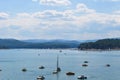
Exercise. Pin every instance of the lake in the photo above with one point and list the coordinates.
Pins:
(12, 61)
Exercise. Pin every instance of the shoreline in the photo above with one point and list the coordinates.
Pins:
(99, 49)
(63, 49)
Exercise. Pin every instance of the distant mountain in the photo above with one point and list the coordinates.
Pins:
(13, 43)
(44, 40)
(36, 40)
(58, 43)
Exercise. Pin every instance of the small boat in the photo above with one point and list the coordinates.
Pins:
(70, 73)
(24, 69)
(84, 65)
(41, 67)
(82, 77)
(85, 61)
(107, 65)
(40, 78)
(55, 72)
(58, 69)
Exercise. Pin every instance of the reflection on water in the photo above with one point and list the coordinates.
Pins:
(13, 61)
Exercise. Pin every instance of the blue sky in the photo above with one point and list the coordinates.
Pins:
(60, 19)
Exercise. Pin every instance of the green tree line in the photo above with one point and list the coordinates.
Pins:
(101, 44)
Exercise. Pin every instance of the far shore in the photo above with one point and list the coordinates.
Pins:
(99, 49)
(65, 49)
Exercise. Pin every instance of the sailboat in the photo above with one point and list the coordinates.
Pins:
(58, 68)
(40, 78)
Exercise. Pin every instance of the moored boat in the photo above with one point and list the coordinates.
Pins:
(24, 69)
(41, 67)
(85, 61)
(55, 72)
(107, 65)
(70, 73)
(84, 65)
(82, 77)
(40, 78)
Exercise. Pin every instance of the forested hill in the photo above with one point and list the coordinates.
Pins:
(13, 43)
(101, 44)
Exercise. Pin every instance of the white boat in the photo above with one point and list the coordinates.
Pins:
(82, 77)
(40, 78)
(55, 72)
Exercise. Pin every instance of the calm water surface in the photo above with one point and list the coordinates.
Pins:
(13, 60)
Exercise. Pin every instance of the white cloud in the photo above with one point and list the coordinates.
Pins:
(3, 15)
(112, 34)
(108, 0)
(114, 0)
(54, 15)
(83, 8)
(54, 2)
(23, 15)
(47, 13)
(69, 24)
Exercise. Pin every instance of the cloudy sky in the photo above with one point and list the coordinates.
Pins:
(60, 19)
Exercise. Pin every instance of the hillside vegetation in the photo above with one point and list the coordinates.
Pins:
(13, 43)
(101, 44)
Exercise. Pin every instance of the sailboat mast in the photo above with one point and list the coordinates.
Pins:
(57, 61)
(58, 68)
